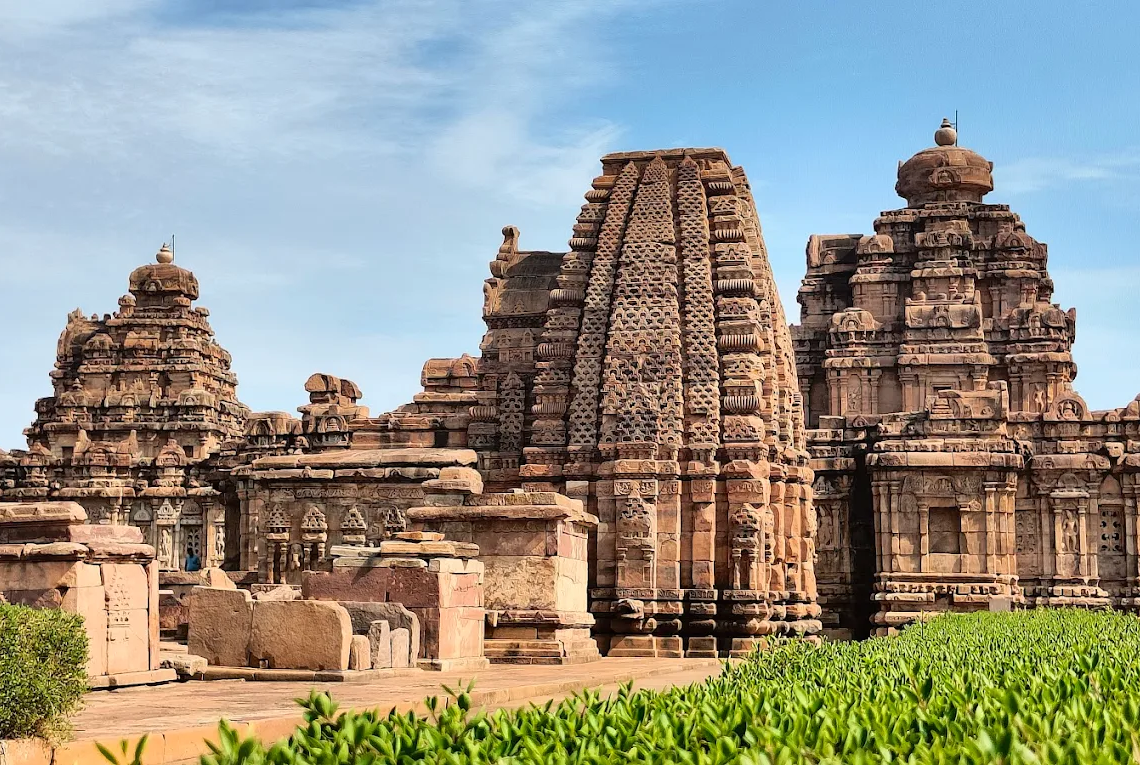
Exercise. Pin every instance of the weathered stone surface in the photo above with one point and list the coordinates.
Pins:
(215, 577)
(50, 598)
(412, 587)
(185, 664)
(284, 592)
(40, 575)
(364, 614)
(401, 650)
(101, 549)
(87, 534)
(380, 643)
(359, 653)
(300, 634)
(221, 623)
(41, 513)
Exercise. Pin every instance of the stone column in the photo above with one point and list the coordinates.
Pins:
(893, 504)
(991, 530)
(1082, 529)
(876, 376)
(1132, 530)
(756, 534)
(702, 596)
(881, 516)
(924, 534)
(1047, 522)
(1093, 546)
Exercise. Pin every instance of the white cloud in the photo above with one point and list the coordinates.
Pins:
(23, 17)
(337, 175)
(1039, 173)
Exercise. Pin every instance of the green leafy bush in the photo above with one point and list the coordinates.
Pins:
(1028, 687)
(43, 670)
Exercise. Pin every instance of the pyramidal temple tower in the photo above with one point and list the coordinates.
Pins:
(141, 400)
(957, 467)
(648, 371)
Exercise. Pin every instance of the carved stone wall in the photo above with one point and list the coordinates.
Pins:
(50, 558)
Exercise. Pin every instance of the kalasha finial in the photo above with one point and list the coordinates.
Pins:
(946, 135)
(165, 254)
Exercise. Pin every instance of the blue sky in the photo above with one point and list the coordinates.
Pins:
(337, 173)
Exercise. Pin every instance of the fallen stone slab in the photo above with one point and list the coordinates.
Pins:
(220, 625)
(300, 634)
(187, 665)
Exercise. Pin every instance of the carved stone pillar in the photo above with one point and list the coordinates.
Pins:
(1131, 541)
(991, 530)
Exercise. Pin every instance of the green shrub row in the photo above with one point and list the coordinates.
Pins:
(1028, 687)
(43, 671)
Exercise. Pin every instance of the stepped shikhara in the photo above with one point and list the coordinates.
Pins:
(142, 398)
(649, 372)
(956, 466)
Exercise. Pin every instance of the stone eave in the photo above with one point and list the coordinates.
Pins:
(366, 458)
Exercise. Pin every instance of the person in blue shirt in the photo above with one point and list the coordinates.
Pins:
(193, 562)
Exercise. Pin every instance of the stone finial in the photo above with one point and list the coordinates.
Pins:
(510, 245)
(946, 135)
(165, 254)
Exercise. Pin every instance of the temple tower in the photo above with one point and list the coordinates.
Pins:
(939, 378)
(142, 398)
(649, 372)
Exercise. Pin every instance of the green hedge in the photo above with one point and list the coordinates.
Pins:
(1027, 687)
(43, 670)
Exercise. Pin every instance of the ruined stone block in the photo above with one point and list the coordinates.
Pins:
(364, 615)
(380, 642)
(359, 653)
(221, 623)
(300, 634)
(401, 649)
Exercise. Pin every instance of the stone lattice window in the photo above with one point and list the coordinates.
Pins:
(1111, 531)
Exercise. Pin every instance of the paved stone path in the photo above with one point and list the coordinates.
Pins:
(180, 716)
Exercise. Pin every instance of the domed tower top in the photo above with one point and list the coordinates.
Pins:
(163, 278)
(945, 172)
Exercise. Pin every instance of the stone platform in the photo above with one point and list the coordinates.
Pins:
(180, 718)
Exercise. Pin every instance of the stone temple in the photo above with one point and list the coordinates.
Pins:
(956, 465)
(142, 399)
(649, 372)
(638, 459)
(646, 377)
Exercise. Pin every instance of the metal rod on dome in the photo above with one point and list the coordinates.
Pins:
(172, 235)
(956, 127)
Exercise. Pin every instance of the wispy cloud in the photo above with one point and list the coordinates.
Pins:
(332, 170)
(1040, 173)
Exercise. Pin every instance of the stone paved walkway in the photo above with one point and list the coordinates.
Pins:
(177, 715)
